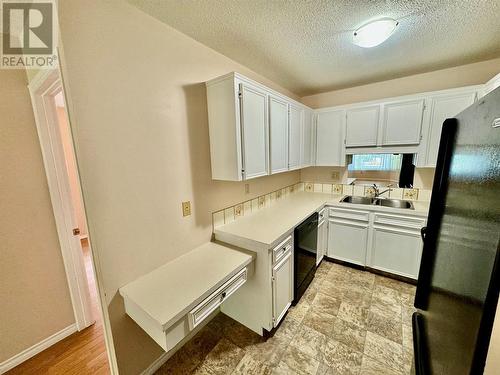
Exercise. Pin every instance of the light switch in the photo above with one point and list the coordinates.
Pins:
(186, 208)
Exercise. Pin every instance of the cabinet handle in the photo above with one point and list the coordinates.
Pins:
(222, 296)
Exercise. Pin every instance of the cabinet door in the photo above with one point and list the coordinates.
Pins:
(278, 143)
(307, 139)
(443, 107)
(362, 126)
(347, 240)
(330, 149)
(396, 250)
(254, 126)
(294, 132)
(402, 122)
(282, 287)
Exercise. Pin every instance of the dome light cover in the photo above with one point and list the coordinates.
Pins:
(374, 33)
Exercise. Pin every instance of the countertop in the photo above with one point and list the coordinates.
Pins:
(196, 274)
(263, 228)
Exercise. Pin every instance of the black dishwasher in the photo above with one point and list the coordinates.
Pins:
(305, 249)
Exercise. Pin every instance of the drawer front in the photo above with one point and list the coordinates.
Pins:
(410, 222)
(349, 214)
(280, 250)
(213, 301)
(322, 214)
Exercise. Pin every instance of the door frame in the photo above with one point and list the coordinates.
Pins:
(43, 87)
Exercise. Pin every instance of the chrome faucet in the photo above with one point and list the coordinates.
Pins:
(378, 193)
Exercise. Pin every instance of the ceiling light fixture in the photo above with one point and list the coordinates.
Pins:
(374, 33)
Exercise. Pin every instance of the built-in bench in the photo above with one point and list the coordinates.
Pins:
(171, 301)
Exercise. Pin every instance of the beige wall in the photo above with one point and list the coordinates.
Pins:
(465, 75)
(33, 288)
(139, 115)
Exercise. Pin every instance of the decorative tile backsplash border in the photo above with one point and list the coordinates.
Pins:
(235, 212)
(232, 213)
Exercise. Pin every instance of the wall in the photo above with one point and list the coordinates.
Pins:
(33, 287)
(138, 111)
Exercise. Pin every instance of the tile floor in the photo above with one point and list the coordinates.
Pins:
(348, 322)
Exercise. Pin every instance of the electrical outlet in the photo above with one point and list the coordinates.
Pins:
(247, 188)
(335, 175)
(186, 208)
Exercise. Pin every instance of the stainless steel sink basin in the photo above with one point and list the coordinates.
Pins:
(358, 200)
(396, 203)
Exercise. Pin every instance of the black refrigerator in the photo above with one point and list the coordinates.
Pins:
(459, 279)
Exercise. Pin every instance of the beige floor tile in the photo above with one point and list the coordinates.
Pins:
(224, 357)
(407, 300)
(324, 369)
(349, 334)
(369, 366)
(287, 328)
(310, 342)
(341, 358)
(333, 288)
(296, 361)
(201, 370)
(384, 350)
(407, 313)
(386, 294)
(388, 282)
(309, 295)
(382, 326)
(320, 322)
(325, 304)
(407, 336)
(299, 311)
(250, 366)
(358, 297)
(407, 359)
(386, 309)
(407, 288)
(352, 313)
(269, 351)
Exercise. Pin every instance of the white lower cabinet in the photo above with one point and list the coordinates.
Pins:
(396, 251)
(396, 244)
(282, 281)
(347, 240)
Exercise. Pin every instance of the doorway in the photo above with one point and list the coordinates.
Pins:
(90, 349)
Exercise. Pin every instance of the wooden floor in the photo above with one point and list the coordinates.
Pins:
(81, 353)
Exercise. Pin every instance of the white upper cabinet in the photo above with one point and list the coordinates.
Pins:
(443, 107)
(294, 137)
(330, 149)
(254, 129)
(307, 139)
(278, 130)
(402, 122)
(362, 126)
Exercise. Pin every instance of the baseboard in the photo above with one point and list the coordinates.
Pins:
(37, 348)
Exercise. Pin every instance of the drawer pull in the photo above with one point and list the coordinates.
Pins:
(222, 296)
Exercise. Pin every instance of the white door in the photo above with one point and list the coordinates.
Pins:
(307, 138)
(278, 125)
(362, 126)
(254, 126)
(347, 240)
(282, 287)
(294, 140)
(443, 107)
(396, 250)
(402, 122)
(330, 150)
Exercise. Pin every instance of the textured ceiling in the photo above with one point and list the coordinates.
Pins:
(305, 46)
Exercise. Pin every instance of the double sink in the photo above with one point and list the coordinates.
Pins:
(395, 203)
